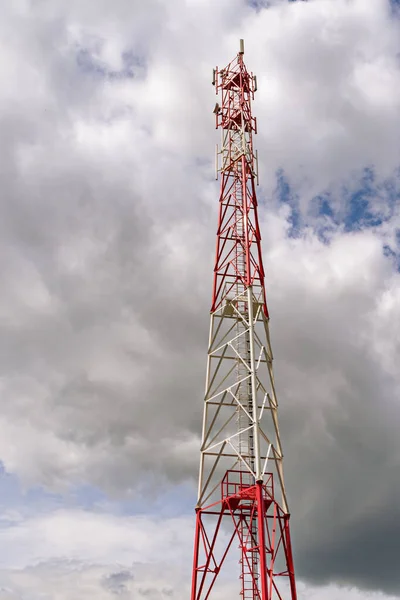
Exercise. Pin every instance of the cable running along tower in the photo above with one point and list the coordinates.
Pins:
(242, 511)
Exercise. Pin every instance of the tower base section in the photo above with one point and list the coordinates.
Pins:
(246, 516)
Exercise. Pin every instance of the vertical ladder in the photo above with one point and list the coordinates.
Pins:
(249, 571)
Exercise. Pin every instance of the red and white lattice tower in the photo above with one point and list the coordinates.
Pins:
(241, 497)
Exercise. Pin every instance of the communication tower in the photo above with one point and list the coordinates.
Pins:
(241, 495)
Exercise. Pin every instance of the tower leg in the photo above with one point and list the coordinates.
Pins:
(195, 555)
(261, 540)
(289, 555)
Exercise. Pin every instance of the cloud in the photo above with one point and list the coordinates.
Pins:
(107, 233)
(66, 553)
(341, 409)
(95, 537)
(328, 90)
(100, 556)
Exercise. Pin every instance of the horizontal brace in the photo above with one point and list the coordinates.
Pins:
(235, 317)
(226, 513)
(232, 358)
(233, 404)
(215, 513)
(237, 240)
(232, 455)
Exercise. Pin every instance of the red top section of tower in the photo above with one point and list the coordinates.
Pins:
(238, 260)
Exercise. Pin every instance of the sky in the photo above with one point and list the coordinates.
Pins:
(108, 218)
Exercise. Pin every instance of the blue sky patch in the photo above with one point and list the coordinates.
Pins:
(168, 502)
(362, 202)
(286, 195)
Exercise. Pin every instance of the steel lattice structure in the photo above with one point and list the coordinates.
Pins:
(241, 495)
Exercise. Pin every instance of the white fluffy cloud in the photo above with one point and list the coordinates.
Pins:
(69, 553)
